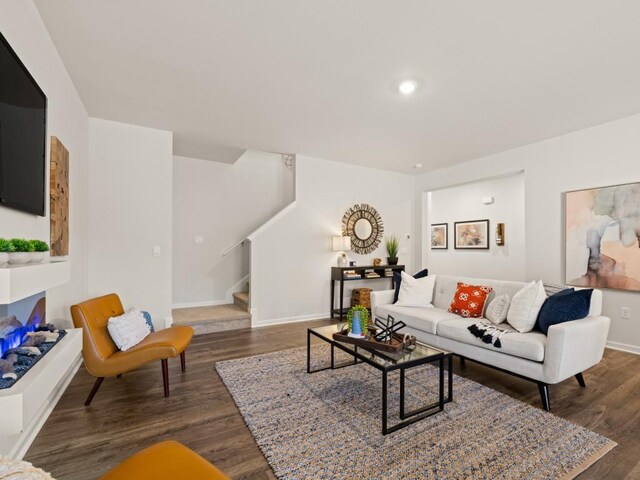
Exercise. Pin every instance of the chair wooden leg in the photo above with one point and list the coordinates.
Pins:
(183, 361)
(94, 390)
(580, 379)
(165, 376)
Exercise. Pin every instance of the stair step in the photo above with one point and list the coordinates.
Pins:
(218, 318)
(241, 299)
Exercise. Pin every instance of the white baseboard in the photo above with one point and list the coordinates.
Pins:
(207, 303)
(279, 321)
(624, 347)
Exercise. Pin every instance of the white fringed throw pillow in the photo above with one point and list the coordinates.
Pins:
(416, 292)
(525, 306)
(128, 329)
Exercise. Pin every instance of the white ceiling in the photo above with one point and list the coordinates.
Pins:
(319, 77)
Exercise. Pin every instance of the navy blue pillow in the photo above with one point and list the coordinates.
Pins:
(564, 306)
(147, 318)
(397, 279)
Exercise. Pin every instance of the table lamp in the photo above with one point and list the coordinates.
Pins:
(342, 244)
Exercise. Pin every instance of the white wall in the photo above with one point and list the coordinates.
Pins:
(464, 202)
(604, 155)
(130, 213)
(23, 28)
(222, 203)
(291, 260)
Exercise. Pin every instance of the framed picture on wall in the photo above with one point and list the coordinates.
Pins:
(439, 236)
(472, 235)
(601, 237)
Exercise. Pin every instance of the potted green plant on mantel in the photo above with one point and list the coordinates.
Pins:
(21, 253)
(5, 249)
(393, 245)
(40, 250)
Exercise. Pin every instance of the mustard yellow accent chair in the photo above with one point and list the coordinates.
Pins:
(101, 356)
(167, 460)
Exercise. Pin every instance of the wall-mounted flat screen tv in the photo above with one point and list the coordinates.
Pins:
(23, 130)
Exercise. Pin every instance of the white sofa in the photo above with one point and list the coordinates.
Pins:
(568, 350)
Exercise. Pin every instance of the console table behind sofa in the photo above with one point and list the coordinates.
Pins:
(337, 275)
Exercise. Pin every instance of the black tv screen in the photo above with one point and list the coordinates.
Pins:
(23, 117)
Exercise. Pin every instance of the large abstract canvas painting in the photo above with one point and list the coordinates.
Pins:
(602, 232)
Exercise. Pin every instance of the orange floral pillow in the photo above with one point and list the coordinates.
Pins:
(469, 300)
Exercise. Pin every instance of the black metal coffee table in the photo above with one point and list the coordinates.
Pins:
(387, 362)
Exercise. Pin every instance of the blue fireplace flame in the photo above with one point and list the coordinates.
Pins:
(15, 338)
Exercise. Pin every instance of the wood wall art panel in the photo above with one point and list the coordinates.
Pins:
(59, 198)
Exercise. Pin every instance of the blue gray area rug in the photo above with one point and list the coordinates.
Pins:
(326, 425)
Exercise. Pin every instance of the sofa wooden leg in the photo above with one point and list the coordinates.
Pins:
(119, 375)
(580, 379)
(165, 376)
(183, 361)
(94, 390)
(463, 362)
(544, 395)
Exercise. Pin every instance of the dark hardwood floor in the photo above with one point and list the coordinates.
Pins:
(130, 413)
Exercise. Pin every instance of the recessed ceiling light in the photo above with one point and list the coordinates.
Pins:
(407, 87)
(417, 165)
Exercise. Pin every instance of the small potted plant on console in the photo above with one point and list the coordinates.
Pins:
(40, 250)
(393, 245)
(5, 249)
(21, 253)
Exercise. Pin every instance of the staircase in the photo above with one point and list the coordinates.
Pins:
(217, 318)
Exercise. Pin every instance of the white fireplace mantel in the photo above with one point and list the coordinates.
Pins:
(22, 281)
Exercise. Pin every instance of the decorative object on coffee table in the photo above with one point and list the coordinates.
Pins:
(472, 235)
(59, 198)
(439, 236)
(358, 318)
(392, 244)
(342, 244)
(364, 225)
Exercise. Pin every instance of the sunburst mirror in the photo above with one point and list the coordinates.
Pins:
(364, 225)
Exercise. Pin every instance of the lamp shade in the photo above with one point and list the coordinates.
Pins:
(341, 244)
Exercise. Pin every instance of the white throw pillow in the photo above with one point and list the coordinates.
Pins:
(128, 329)
(525, 306)
(416, 292)
(498, 308)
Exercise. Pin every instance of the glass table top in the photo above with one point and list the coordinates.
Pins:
(420, 352)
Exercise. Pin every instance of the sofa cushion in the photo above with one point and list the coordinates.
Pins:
(525, 306)
(469, 300)
(564, 306)
(397, 280)
(416, 292)
(530, 346)
(424, 319)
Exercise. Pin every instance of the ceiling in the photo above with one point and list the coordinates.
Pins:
(320, 78)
